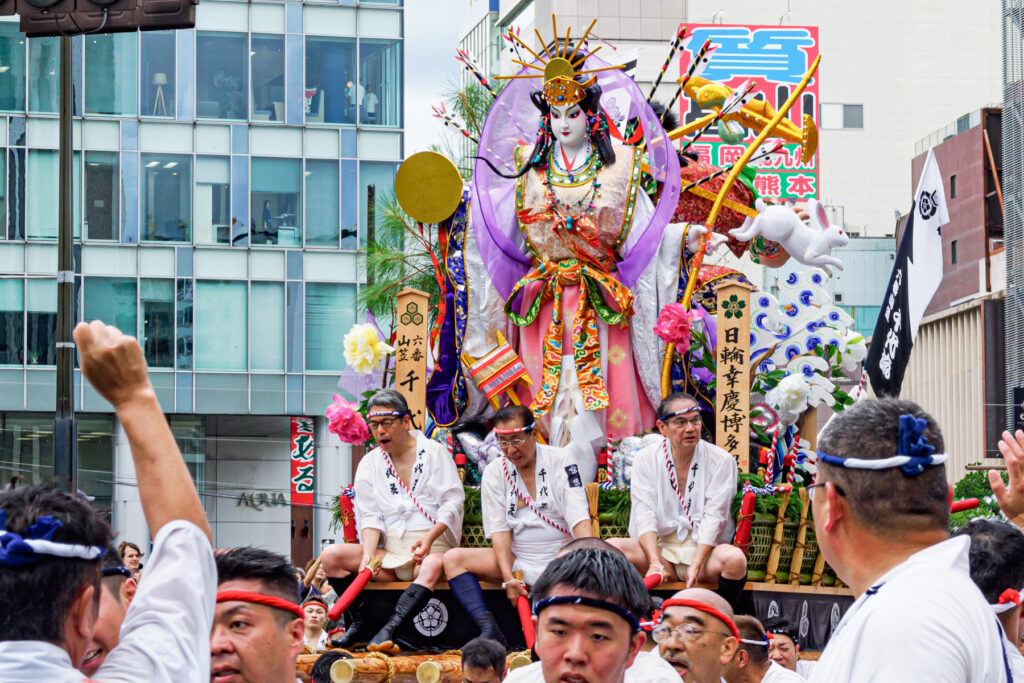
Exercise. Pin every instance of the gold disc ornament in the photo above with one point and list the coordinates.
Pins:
(428, 187)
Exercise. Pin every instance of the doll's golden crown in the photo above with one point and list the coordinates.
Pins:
(564, 85)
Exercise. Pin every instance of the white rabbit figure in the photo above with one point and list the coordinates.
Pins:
(808, 246)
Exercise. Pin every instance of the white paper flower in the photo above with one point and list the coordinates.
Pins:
(790, 396)
(856, 350)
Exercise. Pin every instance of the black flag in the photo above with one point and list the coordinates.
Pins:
(916, 275)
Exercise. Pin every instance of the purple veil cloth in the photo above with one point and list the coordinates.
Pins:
(512, 121)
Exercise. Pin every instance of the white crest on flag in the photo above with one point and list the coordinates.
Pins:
(925, 270)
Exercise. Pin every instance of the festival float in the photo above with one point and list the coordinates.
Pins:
(579, 287)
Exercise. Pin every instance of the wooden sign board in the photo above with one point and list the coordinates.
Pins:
(411, 351)
(732, 388)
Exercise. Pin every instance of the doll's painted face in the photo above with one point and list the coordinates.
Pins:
(569, 125)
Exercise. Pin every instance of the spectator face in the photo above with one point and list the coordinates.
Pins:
(131, 558)
(252, 643)
(696, 644)
(783, 651)
(321, 575)
(581, 644)
(108, 626)
(316, 615)
(477, 674)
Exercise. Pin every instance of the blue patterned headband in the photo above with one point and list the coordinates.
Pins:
(588, 602)
(37, 540)
(914, 452)
(388, 413)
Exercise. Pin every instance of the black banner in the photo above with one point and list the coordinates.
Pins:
(815, 615)
(891, 342)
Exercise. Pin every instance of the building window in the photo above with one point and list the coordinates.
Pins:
(840, 116)
(110, 74)
(331, 92)
(156, 333)
(380, 74)
(112, 300)
(222, 75)
(267, 328)
(349, 204)
(277, 202)
(12, 68)
(102, 196)
(3, 191)
(43, 79)
(330, 313)
(12, 322)
(322, 203)
(43, 179)
(952, 186)
(190, 433)
(166, 197)
(268, 78)
(376, 179)
(41, 305)
(157, 73)
(221, 324)
(954, 252)
(213, 200)
(26, 450)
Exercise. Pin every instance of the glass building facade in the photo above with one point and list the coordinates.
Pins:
(223, 177)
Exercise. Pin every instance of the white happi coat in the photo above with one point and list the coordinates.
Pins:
(708, 486)
(924, 620)
(165, 636)
(381, 502)
(560, 497)
(780, 674)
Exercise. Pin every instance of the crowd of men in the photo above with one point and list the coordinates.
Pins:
(928, 606)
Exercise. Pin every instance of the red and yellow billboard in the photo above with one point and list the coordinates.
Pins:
(776, 58)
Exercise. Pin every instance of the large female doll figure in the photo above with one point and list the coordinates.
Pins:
(569, 239)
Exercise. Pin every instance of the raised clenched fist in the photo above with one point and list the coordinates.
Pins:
(112, 362)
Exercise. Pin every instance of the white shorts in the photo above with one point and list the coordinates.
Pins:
(534, 548)
(678, 553)
(398, 551)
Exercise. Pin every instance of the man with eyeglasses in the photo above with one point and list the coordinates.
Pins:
(881, 517)
(697, 635)
(681, 491)
(408, 506)
(118, 589)
(533, 503)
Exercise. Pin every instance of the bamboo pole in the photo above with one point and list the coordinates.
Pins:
(801, 540)
(776, 551)
(819, 567)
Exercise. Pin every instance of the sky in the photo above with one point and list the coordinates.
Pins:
(431, 37)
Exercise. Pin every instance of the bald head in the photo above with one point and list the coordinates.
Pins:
(708, 597)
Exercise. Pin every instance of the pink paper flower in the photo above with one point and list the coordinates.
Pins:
(674, 323)
(346, 421)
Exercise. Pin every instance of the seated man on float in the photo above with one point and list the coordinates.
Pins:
(408, 492)
(533, 503)
(681, 492)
